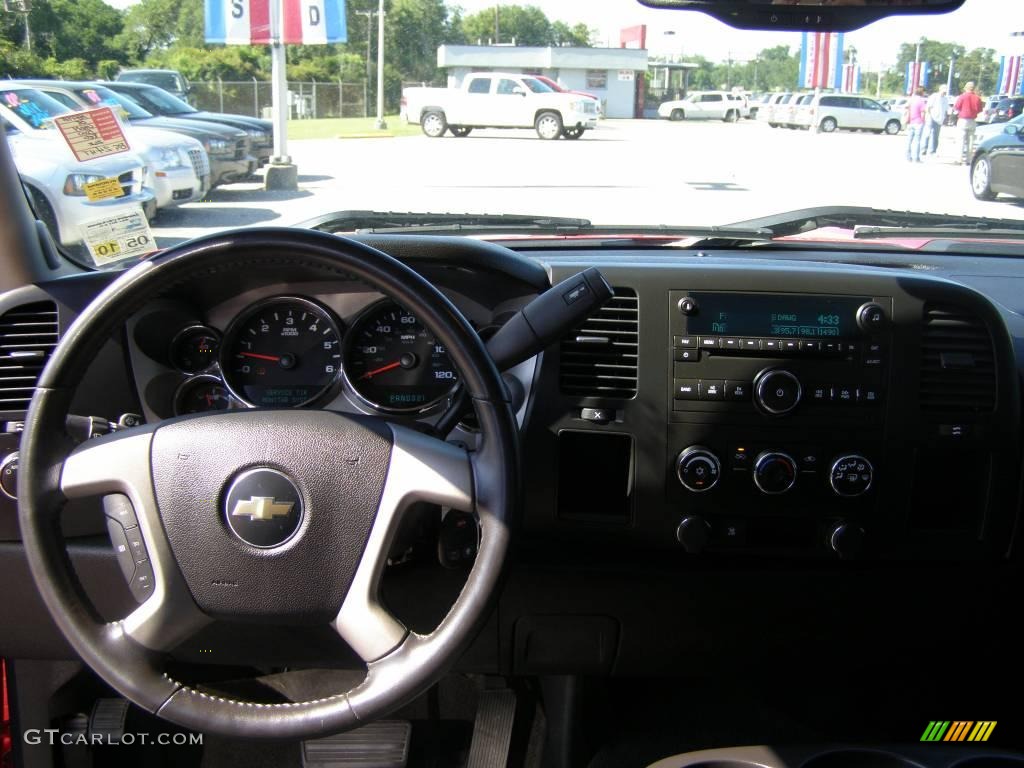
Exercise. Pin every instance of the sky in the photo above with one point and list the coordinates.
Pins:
(978, 23)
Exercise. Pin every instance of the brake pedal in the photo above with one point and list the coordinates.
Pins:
(492, 731)
(384, 744)
(107, 719)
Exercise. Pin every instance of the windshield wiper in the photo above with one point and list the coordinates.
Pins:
(376, 222)
(867, 223)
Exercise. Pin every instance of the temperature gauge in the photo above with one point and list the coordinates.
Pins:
(202, 393)
(195, 349)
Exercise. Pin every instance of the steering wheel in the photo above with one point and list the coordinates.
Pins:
(276, 516)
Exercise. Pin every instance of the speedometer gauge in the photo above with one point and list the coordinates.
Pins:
(394, 363)
(283, 352)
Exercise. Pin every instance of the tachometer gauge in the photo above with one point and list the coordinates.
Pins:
(195, 348)
(283, 352)
(201, 394)
(393, 363)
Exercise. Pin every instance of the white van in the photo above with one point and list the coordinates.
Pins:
(829, 112)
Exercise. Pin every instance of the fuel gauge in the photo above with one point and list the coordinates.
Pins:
(201, 394)
(195, 348)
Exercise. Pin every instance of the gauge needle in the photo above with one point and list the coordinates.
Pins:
(272, 358)
(382, 369)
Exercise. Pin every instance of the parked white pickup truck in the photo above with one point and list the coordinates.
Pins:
(499, 100)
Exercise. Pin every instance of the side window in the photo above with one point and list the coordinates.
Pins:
(711, 97)
(507, 87)
(480, 85)
(64, 99)
(870, 104)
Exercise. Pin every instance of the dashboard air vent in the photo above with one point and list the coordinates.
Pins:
(599, 358)
(28, 335)
(958, 369)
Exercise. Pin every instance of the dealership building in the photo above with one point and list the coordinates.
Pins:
(614, 75)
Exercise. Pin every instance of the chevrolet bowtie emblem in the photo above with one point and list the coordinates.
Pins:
(261, 508)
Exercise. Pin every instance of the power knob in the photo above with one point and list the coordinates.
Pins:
(777, 391)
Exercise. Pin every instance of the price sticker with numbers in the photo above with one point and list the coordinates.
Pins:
(125, 236)
(93, 134)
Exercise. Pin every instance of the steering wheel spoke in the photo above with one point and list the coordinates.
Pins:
(119, 466)
(422, 469)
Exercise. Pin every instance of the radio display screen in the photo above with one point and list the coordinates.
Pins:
(774, 314)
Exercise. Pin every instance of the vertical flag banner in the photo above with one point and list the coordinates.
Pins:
(1010, 76)
(821, 60)
(918, 73)
(248, 22)
(851, 78)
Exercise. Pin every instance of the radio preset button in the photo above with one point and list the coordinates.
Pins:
(728, 342)
(712, 389)
(777, 391)
(750, 345)
(810, 347)
(790, 345)
(771, 345)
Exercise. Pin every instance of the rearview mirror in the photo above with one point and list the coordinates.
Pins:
(809, 15)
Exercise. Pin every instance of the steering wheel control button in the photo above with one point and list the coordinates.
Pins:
(263, 508)
(121, 549)
(688, 306)
(852, 475)
(777, 392)
(118, 507)
(774, 473)
(698, 469)
(136, 546)
(9, 475)
(871, 317)
(141, 585)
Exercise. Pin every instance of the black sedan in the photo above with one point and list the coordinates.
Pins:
(160, 102)
(998, 164)
(1007, 109)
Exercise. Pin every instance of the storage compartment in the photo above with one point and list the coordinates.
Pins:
(595, 476)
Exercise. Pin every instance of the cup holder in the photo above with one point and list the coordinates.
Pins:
(859, 758)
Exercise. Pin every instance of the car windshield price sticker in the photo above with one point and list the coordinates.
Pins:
(92, 134)
(124, 236)
(103, 189)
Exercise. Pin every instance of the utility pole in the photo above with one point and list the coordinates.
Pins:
(381, 125)
(949, 79)
(369, 39)
(497, 29)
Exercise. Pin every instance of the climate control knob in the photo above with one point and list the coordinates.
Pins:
(777, 391)
(851, 475)
(774, 472)
(698, 469)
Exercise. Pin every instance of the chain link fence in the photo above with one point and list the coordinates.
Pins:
(307, 100)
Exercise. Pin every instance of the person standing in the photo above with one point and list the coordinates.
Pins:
(938, 109)
(968, 106)
(917, 108)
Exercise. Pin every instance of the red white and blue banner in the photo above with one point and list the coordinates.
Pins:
(252, 22)
(851, 79)
(918, 74)
(1011, 79)
(821, 60)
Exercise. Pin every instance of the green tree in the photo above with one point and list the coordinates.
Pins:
(413, 30)
(526, 24)
(84, 29)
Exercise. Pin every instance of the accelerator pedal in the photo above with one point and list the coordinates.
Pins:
(384, 744)
(492, 731)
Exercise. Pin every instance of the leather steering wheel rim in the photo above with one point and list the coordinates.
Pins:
(129, 654)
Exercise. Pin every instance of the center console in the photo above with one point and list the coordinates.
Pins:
(777, 408)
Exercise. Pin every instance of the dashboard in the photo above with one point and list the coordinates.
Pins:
(722, 411)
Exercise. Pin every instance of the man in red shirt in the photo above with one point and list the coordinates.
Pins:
(967, 107)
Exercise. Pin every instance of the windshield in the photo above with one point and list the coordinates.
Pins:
(693, 123)
(32, 107)
(162, 101)
(165, 80)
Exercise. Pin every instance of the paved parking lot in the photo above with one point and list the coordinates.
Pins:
(626, 171)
